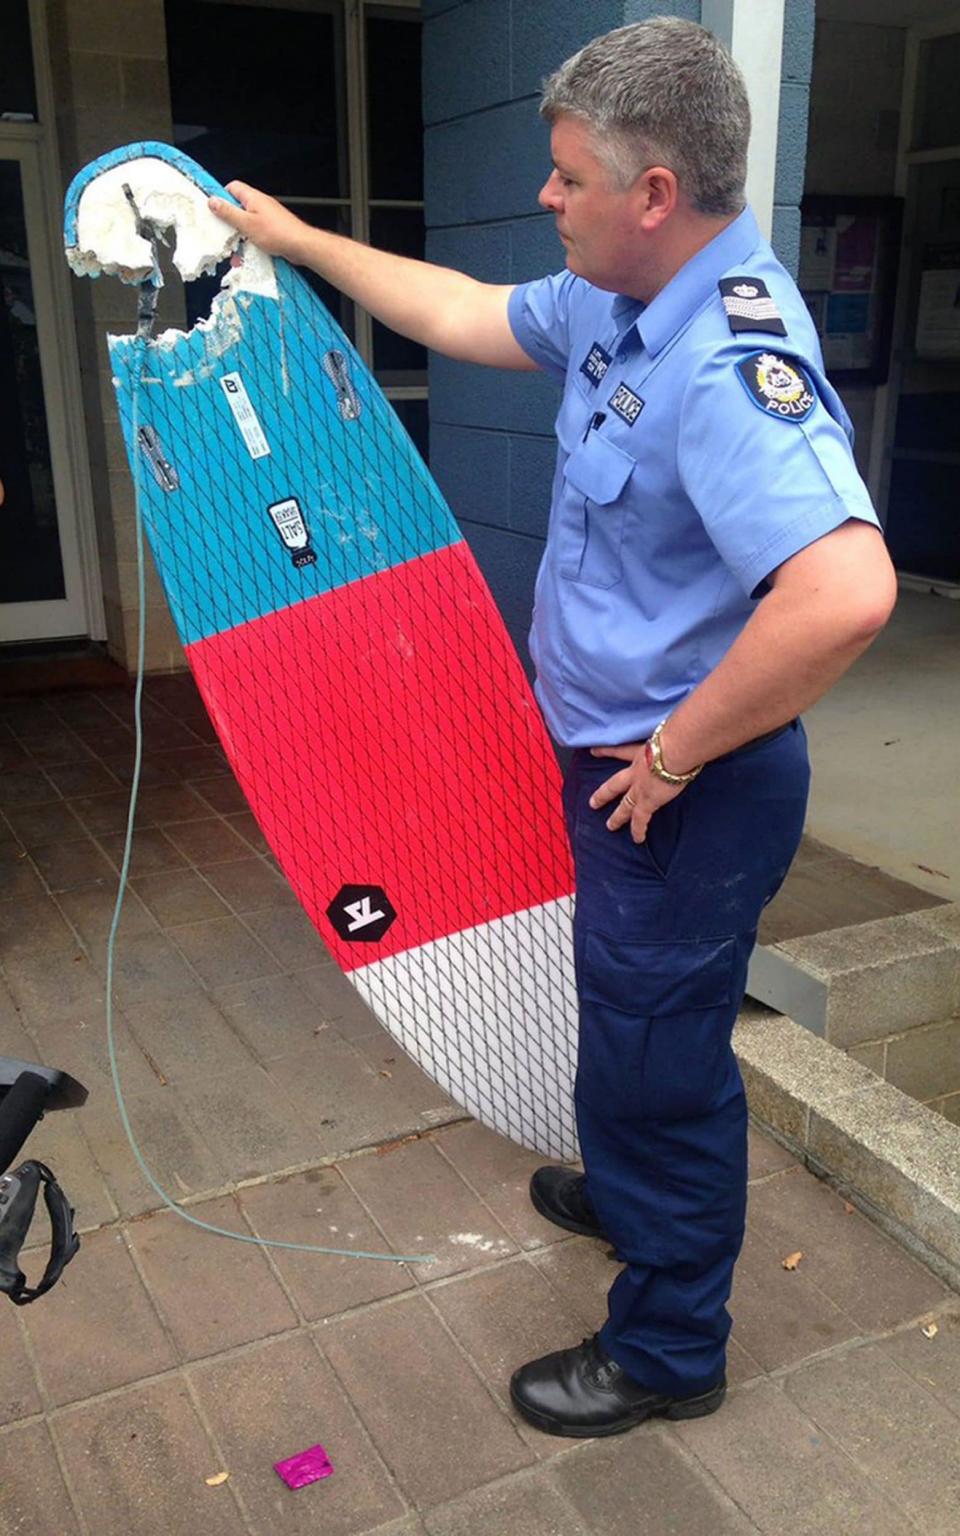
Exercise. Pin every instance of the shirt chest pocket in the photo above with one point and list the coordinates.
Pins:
(596, 493)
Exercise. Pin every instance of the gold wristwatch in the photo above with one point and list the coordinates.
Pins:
(654, 761)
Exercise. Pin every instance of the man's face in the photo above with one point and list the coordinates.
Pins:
(597, 224)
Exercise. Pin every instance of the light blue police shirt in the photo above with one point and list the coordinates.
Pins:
(693, 460)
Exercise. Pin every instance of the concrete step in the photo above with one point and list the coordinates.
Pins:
(827, 889)
(890, 1155)
(860, 983)
(923, 1061)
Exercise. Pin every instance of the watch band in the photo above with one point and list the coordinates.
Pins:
(654, 758)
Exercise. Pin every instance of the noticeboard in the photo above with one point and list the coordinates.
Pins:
(849, 248)
(938, 309)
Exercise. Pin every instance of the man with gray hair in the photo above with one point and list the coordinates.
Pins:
(713, 565)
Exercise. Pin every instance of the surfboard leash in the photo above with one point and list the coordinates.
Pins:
(145, 321)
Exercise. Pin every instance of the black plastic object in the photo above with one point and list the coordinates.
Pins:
(18, 1198)
(27, 1091)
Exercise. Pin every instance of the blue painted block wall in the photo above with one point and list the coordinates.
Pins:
(486, 155)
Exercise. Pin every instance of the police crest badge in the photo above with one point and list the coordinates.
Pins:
(778, 386)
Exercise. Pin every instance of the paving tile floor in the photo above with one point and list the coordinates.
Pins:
(268, 1099)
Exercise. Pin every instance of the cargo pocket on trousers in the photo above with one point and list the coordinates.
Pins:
(655, 1025)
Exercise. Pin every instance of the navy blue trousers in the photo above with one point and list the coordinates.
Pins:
(663, 933)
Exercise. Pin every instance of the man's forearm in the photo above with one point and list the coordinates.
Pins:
(826, 606)
(445, 310)
(777, 667)
(413, 297)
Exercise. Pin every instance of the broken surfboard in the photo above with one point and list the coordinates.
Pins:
(351, 657)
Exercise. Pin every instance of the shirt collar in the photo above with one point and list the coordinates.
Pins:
(660, 320)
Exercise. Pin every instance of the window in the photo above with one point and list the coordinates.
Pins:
(318, 103)
(18, 96)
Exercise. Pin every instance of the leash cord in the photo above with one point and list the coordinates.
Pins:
(140, 343)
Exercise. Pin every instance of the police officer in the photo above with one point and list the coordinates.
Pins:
(713, 565)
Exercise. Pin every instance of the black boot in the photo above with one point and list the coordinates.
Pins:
(561, 1196)
(583, 1393)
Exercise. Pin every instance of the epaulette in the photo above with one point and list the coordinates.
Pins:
(749, 306)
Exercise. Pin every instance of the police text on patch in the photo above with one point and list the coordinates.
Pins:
(626, 404)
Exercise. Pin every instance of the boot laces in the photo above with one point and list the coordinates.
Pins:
(602, 1370)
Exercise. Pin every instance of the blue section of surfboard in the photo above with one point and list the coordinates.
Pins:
(305, 347)
(350, 654)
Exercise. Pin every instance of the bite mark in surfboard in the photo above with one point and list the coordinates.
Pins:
(107, 242)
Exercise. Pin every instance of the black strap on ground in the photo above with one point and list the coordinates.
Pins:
(18, 1198)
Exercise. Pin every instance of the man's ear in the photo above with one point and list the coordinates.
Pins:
(657, 194)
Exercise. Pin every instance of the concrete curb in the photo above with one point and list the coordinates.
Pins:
(893, 1157)
(854, 984)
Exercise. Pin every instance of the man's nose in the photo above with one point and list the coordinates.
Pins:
(549, 195)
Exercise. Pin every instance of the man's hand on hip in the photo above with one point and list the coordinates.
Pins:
(639, 791)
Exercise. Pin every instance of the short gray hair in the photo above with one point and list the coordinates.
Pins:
(661, 92)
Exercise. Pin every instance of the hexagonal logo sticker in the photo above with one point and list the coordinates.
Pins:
(361, 912)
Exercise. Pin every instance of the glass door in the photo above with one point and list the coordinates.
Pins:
(41, 587)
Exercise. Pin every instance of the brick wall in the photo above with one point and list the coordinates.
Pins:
(796, 69)
(110, 79)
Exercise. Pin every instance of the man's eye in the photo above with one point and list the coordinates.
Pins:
(567, 181)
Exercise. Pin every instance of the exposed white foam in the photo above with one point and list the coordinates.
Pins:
(107, 242)
(107, 239)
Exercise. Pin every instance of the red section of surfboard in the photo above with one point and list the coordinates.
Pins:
(385, 735)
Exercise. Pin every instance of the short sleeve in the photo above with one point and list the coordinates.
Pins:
(767, 467)
(539, 314)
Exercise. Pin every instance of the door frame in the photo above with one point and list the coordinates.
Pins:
(33, 146)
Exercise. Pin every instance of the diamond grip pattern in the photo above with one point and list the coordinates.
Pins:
(371, 703)
(381, 723)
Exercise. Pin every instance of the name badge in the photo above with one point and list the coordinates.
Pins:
(595, 364)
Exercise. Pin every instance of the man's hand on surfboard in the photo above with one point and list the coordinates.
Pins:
(262, 220)
(639, 791)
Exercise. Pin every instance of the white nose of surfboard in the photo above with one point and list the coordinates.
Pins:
(106, 224)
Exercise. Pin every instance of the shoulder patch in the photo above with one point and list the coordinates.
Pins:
(778, 386)
(749, 306)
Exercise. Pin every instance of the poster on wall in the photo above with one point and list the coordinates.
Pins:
(938, 313)
(848, 252)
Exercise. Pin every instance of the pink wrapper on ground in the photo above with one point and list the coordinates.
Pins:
(306, 1467)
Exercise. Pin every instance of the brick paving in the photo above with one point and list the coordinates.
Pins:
(268, 1099)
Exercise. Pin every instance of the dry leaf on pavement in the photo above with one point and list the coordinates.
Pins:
(217, 1479)
(792, 1260)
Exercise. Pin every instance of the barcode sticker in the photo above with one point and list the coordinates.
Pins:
(244, 415)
